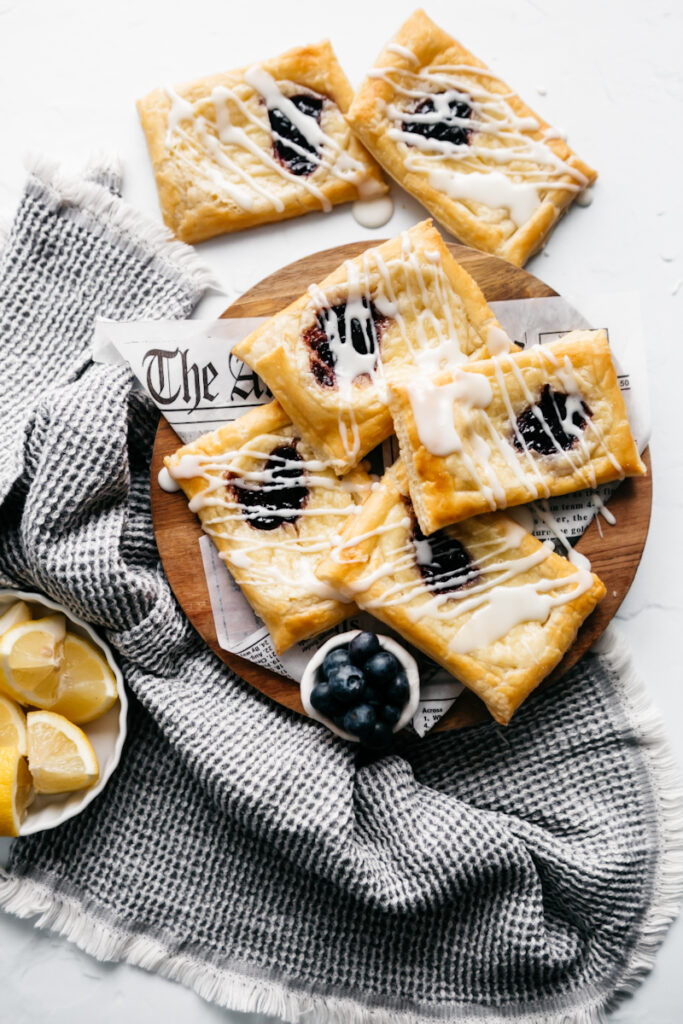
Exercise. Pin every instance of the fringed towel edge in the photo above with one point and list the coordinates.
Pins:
(109, 211)
(245, 993)
(667, 787)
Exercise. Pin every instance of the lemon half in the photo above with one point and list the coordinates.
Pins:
(60, 755)
(30, 658)
(17, 612)
(15, 790)
(12, 726)
(87, 686)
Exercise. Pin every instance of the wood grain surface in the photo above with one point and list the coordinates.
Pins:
(614, 552)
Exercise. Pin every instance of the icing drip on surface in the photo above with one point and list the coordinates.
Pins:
(373, 213)
(462, 134)
(293, 123)
(166, 482)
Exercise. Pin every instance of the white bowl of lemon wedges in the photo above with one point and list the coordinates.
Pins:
(62, 714)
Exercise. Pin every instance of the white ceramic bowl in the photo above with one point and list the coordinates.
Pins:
(308, 680)
(106, 733)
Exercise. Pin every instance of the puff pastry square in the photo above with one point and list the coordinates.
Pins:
(272, 510)
(457, 138)
(258, 144)
(485, 599)
(521, 426)
(402, 306)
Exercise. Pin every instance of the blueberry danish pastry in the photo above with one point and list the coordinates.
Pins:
(484, 598)
(272, 509)
(259, 144)
(457, 138)
(514, 428)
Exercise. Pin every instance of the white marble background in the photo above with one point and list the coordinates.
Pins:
(606, 71)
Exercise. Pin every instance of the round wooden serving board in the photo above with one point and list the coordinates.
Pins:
(614, 554)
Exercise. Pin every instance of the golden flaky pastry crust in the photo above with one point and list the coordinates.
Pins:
(273, 567)
(514, 229)
(209, 185)
(380, 569)
(488, 466)
(431, 310)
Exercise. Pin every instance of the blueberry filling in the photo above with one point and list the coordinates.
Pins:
(332, 323)
(283, 490)
(420, 121)
(554, 422)
(443, 561)
(301, 157)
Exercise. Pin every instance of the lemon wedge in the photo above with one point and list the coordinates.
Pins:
(17, 612)
(60, 755)
(30, 659)
(15, 790)
(12, 726)
(87, 687)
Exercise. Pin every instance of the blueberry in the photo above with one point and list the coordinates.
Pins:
(390, 714)
(371, 695)
(347, 685)
(334, 659)
(398, 690)
(379, 738)
(361, 721)
(362, 647)
(322, 699)
(381, 669)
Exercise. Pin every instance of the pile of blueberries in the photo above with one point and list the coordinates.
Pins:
(363, 689)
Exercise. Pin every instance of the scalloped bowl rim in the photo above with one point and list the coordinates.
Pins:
(116, 723)
(406, 659)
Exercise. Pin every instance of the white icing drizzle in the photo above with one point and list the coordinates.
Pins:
(403, 51)
(497, 340)
(432, 406)
(494, 189)
(507, 607)
(602, 509)
(543, 511)
(492, 602)
(504, 165)
(221, 146)
(433, 411)
(292, 552)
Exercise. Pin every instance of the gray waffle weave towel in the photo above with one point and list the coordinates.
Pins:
(520, 874)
